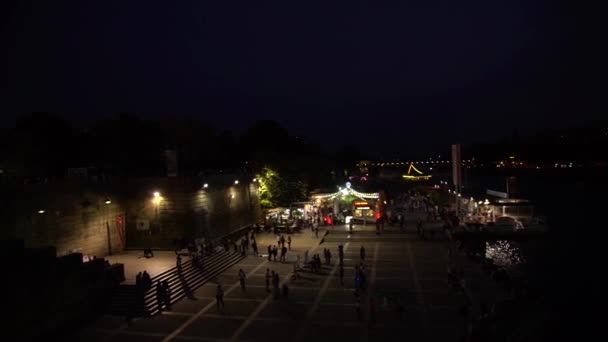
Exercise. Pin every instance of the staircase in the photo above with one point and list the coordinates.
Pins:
(125, 300)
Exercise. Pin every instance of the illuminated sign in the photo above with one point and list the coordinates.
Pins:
(361, 205)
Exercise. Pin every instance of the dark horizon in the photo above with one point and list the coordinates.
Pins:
(405, 80)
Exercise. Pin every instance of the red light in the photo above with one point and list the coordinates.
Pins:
(378, 216)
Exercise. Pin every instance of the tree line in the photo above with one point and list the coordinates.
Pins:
(44, 146)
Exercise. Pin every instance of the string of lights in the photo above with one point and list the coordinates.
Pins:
(348, 191)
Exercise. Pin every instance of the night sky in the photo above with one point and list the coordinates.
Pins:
(393, 79)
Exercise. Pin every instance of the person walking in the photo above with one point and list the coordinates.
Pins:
(362, 252)
(219, 296)
(275, 252)
(242, 278)
(269, 252)
(289, 242)
(268, 277)
(341, 254)
(296, 268)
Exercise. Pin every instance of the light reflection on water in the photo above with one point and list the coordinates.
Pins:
(504, 253)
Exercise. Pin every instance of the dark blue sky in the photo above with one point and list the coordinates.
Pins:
(402, 77)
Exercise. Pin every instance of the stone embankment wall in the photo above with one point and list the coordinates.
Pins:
(74, 216)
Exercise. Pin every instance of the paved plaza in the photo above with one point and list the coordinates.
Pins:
(400, 267)
(134, 262)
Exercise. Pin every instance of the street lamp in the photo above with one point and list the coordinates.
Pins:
(41, 211)
(236, 182)
(205, 186)
(156, 200)
(105, 213)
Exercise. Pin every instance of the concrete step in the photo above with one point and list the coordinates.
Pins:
(191, 278)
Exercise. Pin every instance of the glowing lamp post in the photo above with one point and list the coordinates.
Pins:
(106, 214)
(156, 200)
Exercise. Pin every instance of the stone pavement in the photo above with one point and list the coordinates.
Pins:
(134, 263)
(400, 268)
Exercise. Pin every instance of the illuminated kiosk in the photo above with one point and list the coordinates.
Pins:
(364, 206)
(418, 176)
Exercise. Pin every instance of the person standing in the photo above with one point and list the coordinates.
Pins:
(372, 310)
(254, 246)
(146, 280)
(275, 284)
(243, 247)
(275, 252)
(362, 252)
(167, 294)
(269, 252)
(289, 242)
(341, 254)
(219, 296)
(268, 277)
(242, 278)
(285, 291)
(139, 282)
(159, 295)
(283, 253)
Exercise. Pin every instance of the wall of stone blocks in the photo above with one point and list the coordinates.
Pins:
(76, 217)
(71, 216)
(187, 209)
